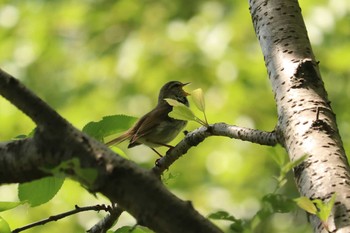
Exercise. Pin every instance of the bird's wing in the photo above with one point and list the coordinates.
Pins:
(148, 123)
(126, 135)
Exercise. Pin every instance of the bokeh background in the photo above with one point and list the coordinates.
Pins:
(89, 59)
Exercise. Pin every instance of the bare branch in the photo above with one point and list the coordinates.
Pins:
(63, 215)
(219, 129)
(107, 222)
(136, 190)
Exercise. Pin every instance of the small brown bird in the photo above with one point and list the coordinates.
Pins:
(156, 128)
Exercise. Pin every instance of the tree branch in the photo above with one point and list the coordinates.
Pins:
(107, 222)
(219, 129)
(306, 122)
(136, 190)
(63, 215)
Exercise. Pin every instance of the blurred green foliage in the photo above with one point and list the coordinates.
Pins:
(90, 59)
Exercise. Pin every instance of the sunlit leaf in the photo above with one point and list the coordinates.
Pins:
(180, 111)
(4, 226)
(325, 208)
(198, 99)
(124, 229)
(306, 204)
(119, 151)
(38, 192)
(173, 102)
(7, 205)
(109, 125)
(292, 164)
(23, 136)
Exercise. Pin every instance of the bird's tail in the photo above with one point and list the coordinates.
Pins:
(119, 139)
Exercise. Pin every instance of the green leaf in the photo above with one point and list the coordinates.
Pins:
(278, 203)
(279, 158)
(124, 229)
(292, 164)
(281, 182)
(182, 112)
(109, 125)
(40, 191)
(317, 207)
(23, 136)
(306, 204)
(222, 215)
(166, 177)
(7, 205)
(4, 226)
(198, 99)
(128, 229)
(238, 226)
(324, 209)
(285, 168)
(174, 103)
(271, 204)
(72, 166)
(118, 151)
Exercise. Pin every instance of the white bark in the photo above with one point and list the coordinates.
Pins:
(306, 122)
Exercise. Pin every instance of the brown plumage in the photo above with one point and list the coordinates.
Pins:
(156, 128)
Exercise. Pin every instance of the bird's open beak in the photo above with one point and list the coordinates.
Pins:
(185, 84)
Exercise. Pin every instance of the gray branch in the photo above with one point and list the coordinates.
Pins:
(55, 141)
(107, 222)
(219, 129)
(136, 190)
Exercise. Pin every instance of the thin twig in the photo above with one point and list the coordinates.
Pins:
(219, 129)
(116, 177)
(107, 222)
(63, 215)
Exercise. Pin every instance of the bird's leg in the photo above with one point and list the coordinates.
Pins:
(156, 152)
(166, 145)
(163, 144)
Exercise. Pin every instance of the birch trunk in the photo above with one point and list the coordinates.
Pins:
(306, 122)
